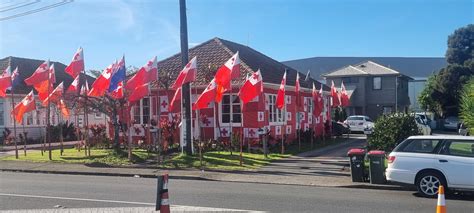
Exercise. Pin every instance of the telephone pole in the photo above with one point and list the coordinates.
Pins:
(186, 95)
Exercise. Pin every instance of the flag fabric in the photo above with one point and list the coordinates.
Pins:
(55, 95)
(26, 105)
(318, 101)
(118, 74)
(252, 87)
(176, 97)
(63, 108)
(15, 77)
(74, 85)
(139, 93)
(144, 75)
(45, 86)
(102, 83)
(344, 96)
(307, 76)
(85, 88)
(5, 81)
(230, 70)
(188, 74)
(77, 64)
(297, 90)
(118, 92)
(334, 95)
(208, 95)
(40, 74)
(280, 100)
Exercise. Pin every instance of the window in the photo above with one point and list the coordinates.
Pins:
(275, 114)
(2, 120)
(141, 111)
(355, 118)
(377, 83)
(310, 102)
(459, 148)
(29, 118)
(421, 146)
(226, 105)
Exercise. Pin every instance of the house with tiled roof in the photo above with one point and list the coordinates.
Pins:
(373, 88)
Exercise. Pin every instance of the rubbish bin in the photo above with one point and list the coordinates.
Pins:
(356, 158)
(377, 167)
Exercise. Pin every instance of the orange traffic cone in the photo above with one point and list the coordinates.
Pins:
(165, 202)
(441, 207)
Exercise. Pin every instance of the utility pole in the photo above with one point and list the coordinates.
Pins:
(186, 118)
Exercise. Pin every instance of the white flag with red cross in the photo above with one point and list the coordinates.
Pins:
(251, 132)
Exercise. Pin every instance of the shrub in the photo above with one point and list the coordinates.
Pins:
(467, 105)
(392, 129)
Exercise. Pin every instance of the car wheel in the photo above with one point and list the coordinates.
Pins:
(428, 183)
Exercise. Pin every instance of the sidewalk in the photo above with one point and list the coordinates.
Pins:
(313, 168)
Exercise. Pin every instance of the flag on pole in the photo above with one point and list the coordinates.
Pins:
(280, 100)
(297, 90)
(44, 86)
(40, 74)
(208, 95)
(334, 95)
(318, 100)
(188, 74)
(230, 70)
(102, 83)
(118, 74)
(252, 87)
(5, 81)
(77, 64)
(55, 95)
(117, 93)
(146, 74)
(73, 88)
(63, 108)
(176, 97)
(26, 105)
(15, 77)
(344, 97)
(139, 93)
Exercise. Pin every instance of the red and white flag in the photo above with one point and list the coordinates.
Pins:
(318, 101)
(297, 90)
(139, 93)
(117, 93)
(77, 64)
(5, 81)
(280, 100)
(74, 85)
(55, 95)
(46, 86)
(344, 96)
(26, 105)
(207, 96)
(252, 87)
(63, 108)
(188, 74)
(146, 74)
(40, 74)
(230, 70)
(334, 95)
(101, 84)
(176, 97)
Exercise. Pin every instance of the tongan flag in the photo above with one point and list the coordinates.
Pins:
(188, 74)
(252, 88)
(208, 95)
(26, 105)
(45, 86)
(77, 64)
(230, 70)
(102, 83)
(40, 75)
(15, 77)
(176, 97)
(297, 90)
(318, 101)
(5, 81)
(280, 100)
(74, 85)
(146, 74)
(118, 74)
(63, 108)
(334, 95)
(55, 95)
(139, 93)
(344, 96)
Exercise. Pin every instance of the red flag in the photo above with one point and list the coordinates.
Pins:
(297, 89)
(139, 93)
(280, 100)
(176, 97)
(74, 85)
(77, 64)
(101, 84)
(5, 81)
(344, 97)
(146, 74)
(252, 88)
(46, 85)
(55, 95)
(40, 75)
(188, 74)
(230, 70)
(117, 93)
(26, 105)
(318, 101)
(208, 95)
(334, 95)
(63, 108)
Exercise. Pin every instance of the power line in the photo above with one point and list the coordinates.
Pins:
(37, 10)
(19, 5)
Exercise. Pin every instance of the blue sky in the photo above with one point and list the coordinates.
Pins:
(281, 29)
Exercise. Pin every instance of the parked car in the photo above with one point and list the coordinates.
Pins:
(422, 126)
(452, 123)
(430, 161)
(358, 123)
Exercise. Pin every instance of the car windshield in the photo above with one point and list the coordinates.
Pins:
(355, 118)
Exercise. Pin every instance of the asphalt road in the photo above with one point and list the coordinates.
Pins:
(44, 191)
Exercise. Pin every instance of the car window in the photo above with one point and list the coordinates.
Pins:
(355, 118)
(421, 146)
(459, 148)
(368, 119)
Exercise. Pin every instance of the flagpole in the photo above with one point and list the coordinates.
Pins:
(242, 132)
(48, 124)
(231, 121)
(13, 117)
(61, 139)
(150, 113)
(25, 139)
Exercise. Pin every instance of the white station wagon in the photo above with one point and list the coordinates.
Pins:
(428, 161)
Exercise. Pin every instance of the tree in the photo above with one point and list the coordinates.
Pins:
(467, 104)
(392, 129)
(460, 45)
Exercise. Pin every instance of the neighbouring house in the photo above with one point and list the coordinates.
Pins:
(373, 89)
(214, 122)
(35, 121)
(418, 68)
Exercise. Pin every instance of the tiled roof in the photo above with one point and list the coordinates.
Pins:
(214, 53)
(26, 67)
(362, 69)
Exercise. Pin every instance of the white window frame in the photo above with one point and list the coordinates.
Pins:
(278, 116)
(309, 101)
(373, 83)
(140, 108)
(234, 124)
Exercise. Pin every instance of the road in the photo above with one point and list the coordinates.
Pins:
(44, 191)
